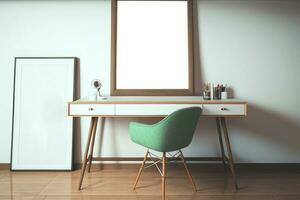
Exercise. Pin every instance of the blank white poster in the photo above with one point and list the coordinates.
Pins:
(42, 130)
(152, 45)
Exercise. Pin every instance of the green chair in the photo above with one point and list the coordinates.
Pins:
(172, 133)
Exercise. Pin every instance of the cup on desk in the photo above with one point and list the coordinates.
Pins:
(93, 96)
(224, 95)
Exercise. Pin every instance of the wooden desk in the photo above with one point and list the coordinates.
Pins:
(156, 106)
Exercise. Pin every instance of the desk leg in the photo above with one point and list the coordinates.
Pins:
(221, 141)
(231, 163)
(163, 177)
(92, 132)
(92, 146)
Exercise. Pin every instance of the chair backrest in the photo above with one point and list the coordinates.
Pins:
(177, 129)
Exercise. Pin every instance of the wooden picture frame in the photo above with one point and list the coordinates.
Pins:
(42, 133)
(151, 92)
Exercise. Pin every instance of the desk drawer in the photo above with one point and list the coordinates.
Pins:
(91, 109)
(150, 109)
(224, 109)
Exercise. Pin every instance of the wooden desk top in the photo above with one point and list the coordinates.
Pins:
(156, 100)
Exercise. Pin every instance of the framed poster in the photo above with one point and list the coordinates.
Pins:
(42, 132)
(152, 48)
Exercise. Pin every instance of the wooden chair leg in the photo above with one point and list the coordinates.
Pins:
(85, 160)
(141, 169)
(221, 142)
(188, 172)
(231, 163)
(163, 179)
(92, 146)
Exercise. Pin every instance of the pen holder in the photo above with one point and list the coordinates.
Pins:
(217, 93)
(206, 95)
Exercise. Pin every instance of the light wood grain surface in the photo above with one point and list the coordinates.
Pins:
(156, 99)
(116, 183)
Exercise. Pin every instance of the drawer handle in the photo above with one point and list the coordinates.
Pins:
(91, 109)
(223, 109)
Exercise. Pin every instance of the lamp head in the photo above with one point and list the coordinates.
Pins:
(96, 83)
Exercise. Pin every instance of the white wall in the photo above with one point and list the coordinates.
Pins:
(251, 45)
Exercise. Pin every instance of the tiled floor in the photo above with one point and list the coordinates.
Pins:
(116, 183)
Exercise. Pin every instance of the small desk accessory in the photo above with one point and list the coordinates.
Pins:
(211, 92)
(96, 84)
(206, 91)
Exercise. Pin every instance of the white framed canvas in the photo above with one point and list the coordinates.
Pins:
(42, 132)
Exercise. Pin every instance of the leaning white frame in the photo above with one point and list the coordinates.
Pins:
(15, 159)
